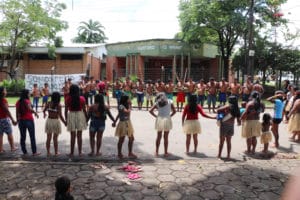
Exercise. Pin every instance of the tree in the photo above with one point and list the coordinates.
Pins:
(25, 22)
(222, 22)
(90, 32)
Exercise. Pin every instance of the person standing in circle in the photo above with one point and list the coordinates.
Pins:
(190, 122)
(53, 126)
(163, 123)
(97, 113)
(251, 126)
(26, 122)
(75, 115)
(124, 127)
(5, 126)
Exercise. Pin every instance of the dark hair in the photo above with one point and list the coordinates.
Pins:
(62, 185)
(296, 97)
(192, 102)
(1, 93)
(24, 95)
(55, 99)
(266, 119)
(124, 101)
(99, 99)
(75, 97)
(234, 107)
(256, 98)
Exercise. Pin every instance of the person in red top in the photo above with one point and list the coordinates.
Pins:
(25, 120)
(76, 117)
(190, 122)
(5, 126)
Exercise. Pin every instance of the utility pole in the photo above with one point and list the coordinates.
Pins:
(251, 52)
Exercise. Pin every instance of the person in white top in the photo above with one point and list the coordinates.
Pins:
(163, 121)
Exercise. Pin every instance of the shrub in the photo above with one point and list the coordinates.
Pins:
(13, 86)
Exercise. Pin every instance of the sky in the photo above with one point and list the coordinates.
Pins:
(131, 20)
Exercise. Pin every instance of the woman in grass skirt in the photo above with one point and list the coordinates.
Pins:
(53, 126)
(76, 117)
(190, 122)
(163, 122)
(124, 127)
(294, 118)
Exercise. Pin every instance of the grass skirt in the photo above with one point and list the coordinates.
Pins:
(266, 137)
(76, 121)
(251, 128)
(163, 124)
(294, 123)
(191, 127)
(124, 128)
(53, 126)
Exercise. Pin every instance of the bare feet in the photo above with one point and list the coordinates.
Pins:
(275, 145)
(156, 154)
(91, 154)
(80, 154)
(132, 155)
(120, 156)
(57, 153)
(49, 154)
(166, 155)
(14, 149)
(36, 154)
(98, 154)
(70, 154)
(247, 152)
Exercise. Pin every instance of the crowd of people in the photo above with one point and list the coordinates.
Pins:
(85, 105)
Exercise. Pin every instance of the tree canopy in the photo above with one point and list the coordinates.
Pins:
(90, 32)
(27, 22)
(223, 22)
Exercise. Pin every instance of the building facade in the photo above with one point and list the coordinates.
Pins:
(80, 59)
(164, 59)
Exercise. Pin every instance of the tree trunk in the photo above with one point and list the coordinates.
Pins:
(226, 68)
(264, 77)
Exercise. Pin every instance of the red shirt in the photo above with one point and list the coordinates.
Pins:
(191, 116)
(3, 113)
(69, 100)
(27, 114)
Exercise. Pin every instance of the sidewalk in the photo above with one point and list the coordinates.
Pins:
(181, 179)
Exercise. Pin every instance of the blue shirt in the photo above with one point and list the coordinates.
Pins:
(278, 108)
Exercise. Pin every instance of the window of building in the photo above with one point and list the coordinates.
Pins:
(39, 57)
(71, 56)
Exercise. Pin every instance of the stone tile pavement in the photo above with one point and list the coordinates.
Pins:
(172, 179)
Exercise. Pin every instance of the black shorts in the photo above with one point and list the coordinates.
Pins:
(277, 121)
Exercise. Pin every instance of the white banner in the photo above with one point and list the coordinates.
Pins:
(55, 82)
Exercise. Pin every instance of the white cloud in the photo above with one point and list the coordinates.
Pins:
(130, 20)
(124, 20)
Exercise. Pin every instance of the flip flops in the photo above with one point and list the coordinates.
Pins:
(131, 168)
(133, 176)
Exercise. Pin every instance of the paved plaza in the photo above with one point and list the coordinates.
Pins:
(180, 176)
